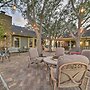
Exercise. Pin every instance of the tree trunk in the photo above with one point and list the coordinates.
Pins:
(50, 46)
(39, 45)
(77, 44)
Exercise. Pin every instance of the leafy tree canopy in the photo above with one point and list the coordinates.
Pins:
(1, 32)
(54, 18)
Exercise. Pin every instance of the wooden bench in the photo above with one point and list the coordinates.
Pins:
(13, 50)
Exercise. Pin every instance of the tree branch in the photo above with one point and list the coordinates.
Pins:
(5, 3)
(72, 3)
(87, 27)
(42, 11)
(32, 1)
(41, 15)
(28, 15)
(77, 14)
(85, 20)
(70, 30)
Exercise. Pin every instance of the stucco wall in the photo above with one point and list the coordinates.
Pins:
(24, 42)
(6, 23)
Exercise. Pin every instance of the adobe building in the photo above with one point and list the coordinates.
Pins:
(6, 23)
(21, 37)
(16, 36)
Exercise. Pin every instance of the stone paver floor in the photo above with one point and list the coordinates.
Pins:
(19, 77)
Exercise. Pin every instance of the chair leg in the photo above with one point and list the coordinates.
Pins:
(8, 58)
(55, 85)
(80, 88)
(46, 66)
(28, 65)
(28, 62)
(84, 85)
(2, 59)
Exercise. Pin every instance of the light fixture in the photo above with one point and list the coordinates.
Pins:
(81, 43)
(13, 33)
(82, 10)
(14, 7)
(21, 31)
(5, 33)
(35, 26)
(81, 21)
(56, 37)
(15, 39)
(81, 30)
(51, 37)
(87, 43)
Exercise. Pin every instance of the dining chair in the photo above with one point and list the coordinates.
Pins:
(33, 56)
(4, 54)
(71, 73)
(60, 51)
(86, 53)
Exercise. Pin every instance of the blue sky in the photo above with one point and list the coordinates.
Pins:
(17, 18)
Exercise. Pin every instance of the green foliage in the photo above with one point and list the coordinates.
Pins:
(1, 32)
(1, 1)
(45, 12)
(5, 3)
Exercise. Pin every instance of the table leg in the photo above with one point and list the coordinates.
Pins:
(2, 59)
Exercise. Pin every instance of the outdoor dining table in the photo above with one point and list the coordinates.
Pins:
(66, 59)
(50, 61)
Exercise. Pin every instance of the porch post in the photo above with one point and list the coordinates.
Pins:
(70, 45)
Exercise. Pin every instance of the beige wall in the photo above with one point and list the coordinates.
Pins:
(6, 23)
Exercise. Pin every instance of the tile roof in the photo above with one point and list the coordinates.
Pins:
(86, 34)
(22, 31)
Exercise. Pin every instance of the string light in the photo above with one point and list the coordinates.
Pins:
(82, 10)
(14, 7)
(81, 30)
(35, 27)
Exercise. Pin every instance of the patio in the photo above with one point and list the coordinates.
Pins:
(47, 25)
(19, 77)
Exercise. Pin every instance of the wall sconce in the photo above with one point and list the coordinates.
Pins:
(81, 43)
(13, 33)
(21, 31)
(15, 39)
(87, 43)
(14, 7)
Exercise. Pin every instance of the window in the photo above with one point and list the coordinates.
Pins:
(30, 42)
(16, 42)
(35, 42)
